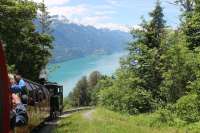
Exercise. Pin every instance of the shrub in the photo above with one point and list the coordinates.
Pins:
(132, 101)
(138, 101)
(110, 98)
(187, 108)
(167, 115)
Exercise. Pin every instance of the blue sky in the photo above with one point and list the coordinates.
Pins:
(112, 14)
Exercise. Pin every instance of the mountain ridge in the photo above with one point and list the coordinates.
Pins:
(75, 40)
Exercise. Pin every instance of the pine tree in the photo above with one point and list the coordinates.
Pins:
(146, 51)
(80, 95)
(156, 27)
(191, 26)
(93, 79)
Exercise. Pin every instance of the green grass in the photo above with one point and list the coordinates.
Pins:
(105, 121)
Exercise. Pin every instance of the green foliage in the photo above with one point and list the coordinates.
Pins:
(178, 69)
(155, 29)
(187, 108)
(121, 96)
(24, 46)
(191, 26)
(93, 79)
(98, 82)
(80, 94)
(132, 102)
(185, 111)
(85, 91)
(147, 50)
(135, 88)
(11, 68)
(165, 116)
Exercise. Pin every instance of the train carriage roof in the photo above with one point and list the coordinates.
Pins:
(53, 84)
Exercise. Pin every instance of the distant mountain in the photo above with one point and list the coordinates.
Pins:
(74, 40)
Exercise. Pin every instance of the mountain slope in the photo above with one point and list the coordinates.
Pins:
(73, 40)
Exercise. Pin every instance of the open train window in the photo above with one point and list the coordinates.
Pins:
(58, 90)
(40, 95)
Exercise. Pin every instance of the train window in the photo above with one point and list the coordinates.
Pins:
(40, 95)
(31, 98)
(60, 89)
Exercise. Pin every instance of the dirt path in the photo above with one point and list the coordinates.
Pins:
(49, 126)
(88, 114)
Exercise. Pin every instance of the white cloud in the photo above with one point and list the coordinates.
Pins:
(84, 14)
(113, 26)
(97, 22)
(69, 11)
(53, 2)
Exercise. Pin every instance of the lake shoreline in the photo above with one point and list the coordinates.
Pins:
(69, 72)
(73, 58)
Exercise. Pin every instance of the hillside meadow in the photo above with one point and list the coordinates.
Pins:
(101, 120)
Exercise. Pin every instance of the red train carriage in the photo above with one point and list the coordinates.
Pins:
(4, 94)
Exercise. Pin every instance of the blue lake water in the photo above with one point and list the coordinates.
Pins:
(69, 72)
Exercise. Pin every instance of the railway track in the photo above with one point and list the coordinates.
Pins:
(49, 125)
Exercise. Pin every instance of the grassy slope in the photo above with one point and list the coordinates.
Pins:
(104, 121)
